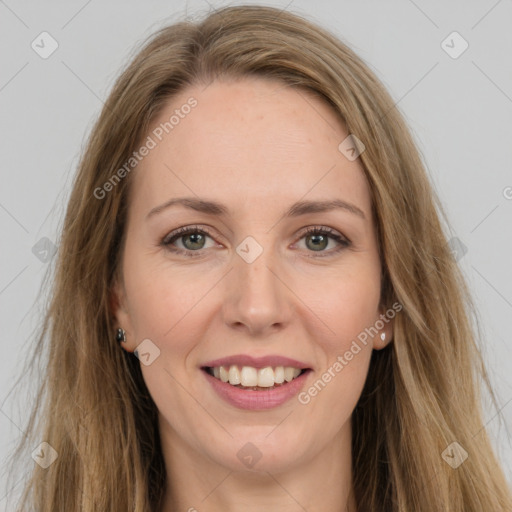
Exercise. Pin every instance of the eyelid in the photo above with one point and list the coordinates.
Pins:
(184, 230)
(318, 228)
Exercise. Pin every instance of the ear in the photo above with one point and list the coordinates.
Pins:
(119, 308)
(384, 324)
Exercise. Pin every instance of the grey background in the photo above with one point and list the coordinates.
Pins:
(460, 112)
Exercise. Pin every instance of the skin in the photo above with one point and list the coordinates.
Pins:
(257, 147)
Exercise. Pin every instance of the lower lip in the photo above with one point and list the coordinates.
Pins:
(255, 400)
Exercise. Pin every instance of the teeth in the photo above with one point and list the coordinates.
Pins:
(279, 375)
(224, 376)
(234, 375)
(248, 376)
(251, 377)
(266, 377)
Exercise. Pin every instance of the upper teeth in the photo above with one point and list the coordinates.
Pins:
(249, 376)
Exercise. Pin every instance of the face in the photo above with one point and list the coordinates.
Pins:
(255, 272)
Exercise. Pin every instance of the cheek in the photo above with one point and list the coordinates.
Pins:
(348, 305)
(350, 309)
(162, 299)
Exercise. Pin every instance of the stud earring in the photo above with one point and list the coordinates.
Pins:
(382, 336)
(121, 336)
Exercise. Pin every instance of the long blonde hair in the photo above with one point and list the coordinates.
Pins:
(422, 391)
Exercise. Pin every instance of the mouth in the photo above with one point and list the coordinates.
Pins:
(256, 383)
(249, 378)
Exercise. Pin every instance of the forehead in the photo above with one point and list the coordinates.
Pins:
(248, 142)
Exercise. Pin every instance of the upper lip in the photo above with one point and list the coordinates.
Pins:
(256, 362)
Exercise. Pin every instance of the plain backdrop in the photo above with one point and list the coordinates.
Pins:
(457, 103)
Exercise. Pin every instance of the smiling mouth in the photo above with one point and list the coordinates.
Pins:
(255, 379)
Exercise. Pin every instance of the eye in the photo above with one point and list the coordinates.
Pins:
(317, 239)
(192, 239)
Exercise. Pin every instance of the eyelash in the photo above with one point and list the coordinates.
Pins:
(315, 230)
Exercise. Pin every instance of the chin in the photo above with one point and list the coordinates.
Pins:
(261, 449)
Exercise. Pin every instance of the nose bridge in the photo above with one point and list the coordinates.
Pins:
(256, 297)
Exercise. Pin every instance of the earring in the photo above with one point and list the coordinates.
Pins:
(382, 336)
(121, 336)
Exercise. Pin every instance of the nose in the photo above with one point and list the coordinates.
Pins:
(257, 295)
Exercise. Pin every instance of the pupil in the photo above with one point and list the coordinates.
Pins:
(321, 238)
(195, 237)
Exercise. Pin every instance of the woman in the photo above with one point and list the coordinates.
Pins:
(255, 305)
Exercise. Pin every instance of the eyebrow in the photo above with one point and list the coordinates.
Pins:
(297, 209)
